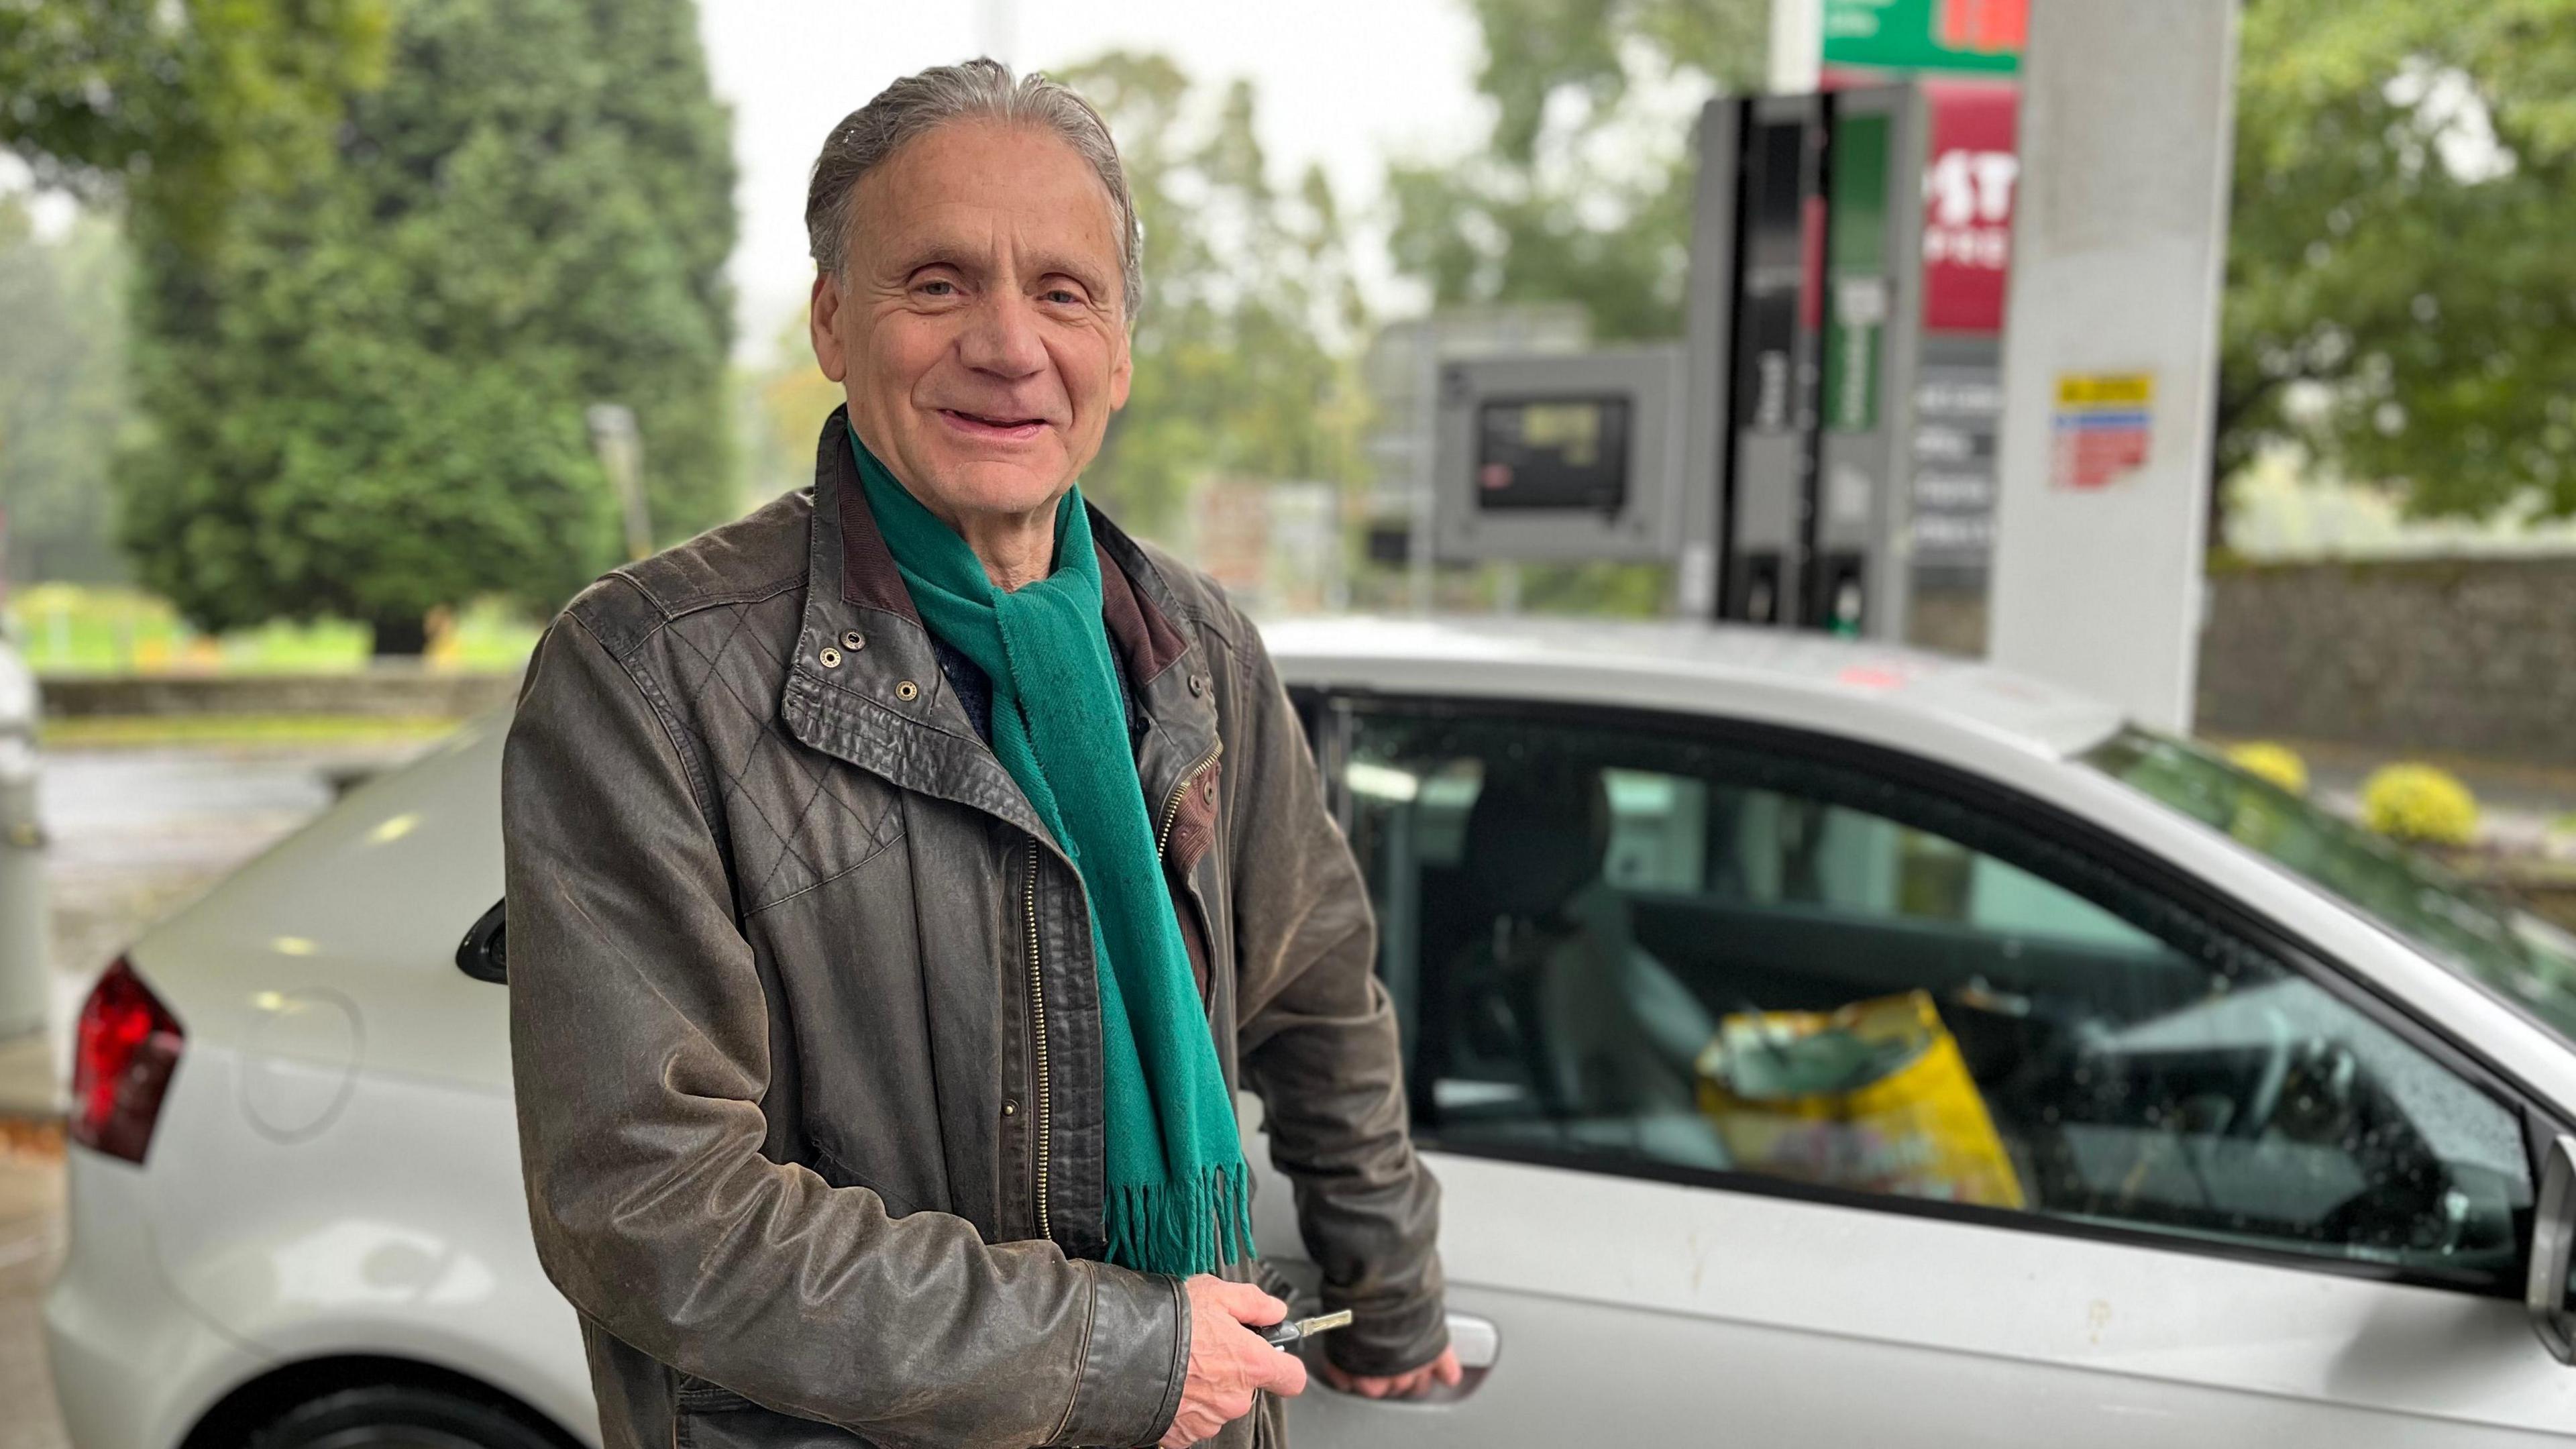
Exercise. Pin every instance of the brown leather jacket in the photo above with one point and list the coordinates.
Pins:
(806, 1027)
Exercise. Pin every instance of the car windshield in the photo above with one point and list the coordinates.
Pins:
(2522, 957)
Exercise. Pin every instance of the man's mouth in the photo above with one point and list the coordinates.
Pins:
(992, 425)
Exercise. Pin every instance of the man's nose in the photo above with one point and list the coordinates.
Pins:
(1001, 337)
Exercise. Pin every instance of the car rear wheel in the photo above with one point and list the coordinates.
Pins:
(400, 1416)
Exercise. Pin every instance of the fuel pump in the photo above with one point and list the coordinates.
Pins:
(1768, 456)
(1803, 329)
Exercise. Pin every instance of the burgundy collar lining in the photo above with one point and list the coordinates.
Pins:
(1145, 638)
(868, 575)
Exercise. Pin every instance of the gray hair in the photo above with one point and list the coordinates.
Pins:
(979, 89)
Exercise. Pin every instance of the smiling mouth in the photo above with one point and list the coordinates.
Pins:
(990, 426)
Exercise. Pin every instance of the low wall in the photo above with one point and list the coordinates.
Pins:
(2472, 657)
(380, 690)
(2458, 656)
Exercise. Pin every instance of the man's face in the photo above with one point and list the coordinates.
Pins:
(979, 332)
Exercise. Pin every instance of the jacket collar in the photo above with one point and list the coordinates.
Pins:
(864, 684)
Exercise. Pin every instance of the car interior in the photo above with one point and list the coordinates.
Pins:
(1571, 914)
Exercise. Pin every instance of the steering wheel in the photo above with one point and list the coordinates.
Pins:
(2264, 1103)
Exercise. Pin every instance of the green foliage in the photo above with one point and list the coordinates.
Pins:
(2383, 249)
(234, 731)
(1614, 590)
(367, 397)
(1583, 191)
(1243, 347)
(62, 394)
(183, 104)
(69, 629)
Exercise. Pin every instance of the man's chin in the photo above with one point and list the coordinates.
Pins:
(1001, 486)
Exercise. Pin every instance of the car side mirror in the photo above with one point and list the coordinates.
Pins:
(484, 953)
(2553, 1234)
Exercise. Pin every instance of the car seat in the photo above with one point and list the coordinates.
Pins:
(1555, 980)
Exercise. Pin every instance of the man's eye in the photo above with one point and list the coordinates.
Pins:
(1065, 295)
(939, 287)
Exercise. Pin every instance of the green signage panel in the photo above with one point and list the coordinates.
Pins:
(1982, 37)
(1856, 258)
(1856, 232)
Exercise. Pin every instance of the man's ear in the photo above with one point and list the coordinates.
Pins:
(1122, 373)
(822, 324)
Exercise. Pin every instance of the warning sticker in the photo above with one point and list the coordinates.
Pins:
(2099, 431)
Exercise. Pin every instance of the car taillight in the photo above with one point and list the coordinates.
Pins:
(129, 1042)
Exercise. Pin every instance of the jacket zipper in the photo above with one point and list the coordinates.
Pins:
(1172, 807)
(1037, 988)
(1037, 1018)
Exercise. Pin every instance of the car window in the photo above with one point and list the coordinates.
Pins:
(1632, 947)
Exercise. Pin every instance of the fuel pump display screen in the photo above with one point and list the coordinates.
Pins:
(1557, 456)
(1557, 452)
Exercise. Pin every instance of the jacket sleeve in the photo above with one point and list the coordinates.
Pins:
(1318, 1040)
(639, 1035)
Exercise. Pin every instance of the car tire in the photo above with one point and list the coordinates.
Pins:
(400, 1416)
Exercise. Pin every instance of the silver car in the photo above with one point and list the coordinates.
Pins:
(1818, 1043)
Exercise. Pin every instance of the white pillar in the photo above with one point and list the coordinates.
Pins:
(2111, 348)
(1797, 45)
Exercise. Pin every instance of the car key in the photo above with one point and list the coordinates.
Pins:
(1289, 1330)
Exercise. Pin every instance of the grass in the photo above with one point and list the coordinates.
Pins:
(70, 629)
(84, 732)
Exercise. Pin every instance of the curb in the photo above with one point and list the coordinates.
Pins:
(30, 1136)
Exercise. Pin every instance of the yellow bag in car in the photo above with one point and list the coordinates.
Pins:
(1873, 1096)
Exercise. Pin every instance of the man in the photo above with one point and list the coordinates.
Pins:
(902, 878)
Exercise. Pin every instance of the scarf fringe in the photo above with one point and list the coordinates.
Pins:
(1189, 1225)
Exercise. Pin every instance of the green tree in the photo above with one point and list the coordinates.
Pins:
(1582, 191)
(367, 394)
(180, 104)
(1245, 343)
(2400, 291)
(62, 394)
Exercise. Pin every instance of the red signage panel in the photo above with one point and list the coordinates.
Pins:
(1969, 181)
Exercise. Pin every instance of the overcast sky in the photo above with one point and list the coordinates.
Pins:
(1343, 82)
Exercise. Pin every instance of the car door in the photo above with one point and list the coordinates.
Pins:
(2125, 1168)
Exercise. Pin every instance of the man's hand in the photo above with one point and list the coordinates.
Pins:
(1227, 1360)
(1443, 1371)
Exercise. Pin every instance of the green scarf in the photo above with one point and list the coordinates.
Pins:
(1175, 1202)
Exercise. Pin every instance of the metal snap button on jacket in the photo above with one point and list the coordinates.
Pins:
(907, 690)
(830, 658)
(854, 641)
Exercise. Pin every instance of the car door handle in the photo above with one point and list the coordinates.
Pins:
(1477, 1341)
(1478, 1344)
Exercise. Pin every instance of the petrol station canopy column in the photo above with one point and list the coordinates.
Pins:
(2111, 348)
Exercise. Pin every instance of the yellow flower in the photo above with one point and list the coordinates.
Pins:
(2277, 763)
(2419, 803)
